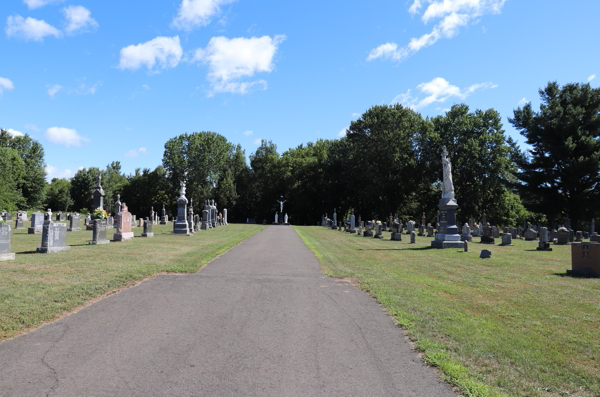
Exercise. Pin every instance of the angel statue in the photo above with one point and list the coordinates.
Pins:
(448, 186)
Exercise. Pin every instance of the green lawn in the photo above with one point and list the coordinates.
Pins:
(512, 325)
(36, 288)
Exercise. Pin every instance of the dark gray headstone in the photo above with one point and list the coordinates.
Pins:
(54, 238)
(19, 224)
(6, 242)
(147, 229)
(74, 223)
(466, 246)
(100, 232)
(485, 254)
(37, 222)
(413, 237)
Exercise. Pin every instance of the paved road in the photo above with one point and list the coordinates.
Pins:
(260, 320)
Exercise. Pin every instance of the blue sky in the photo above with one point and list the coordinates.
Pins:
(102, 81)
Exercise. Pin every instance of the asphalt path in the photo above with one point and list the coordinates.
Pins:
(261, 320)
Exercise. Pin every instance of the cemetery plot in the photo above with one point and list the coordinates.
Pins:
(515, 324)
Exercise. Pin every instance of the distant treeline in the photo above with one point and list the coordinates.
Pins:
(389, 163)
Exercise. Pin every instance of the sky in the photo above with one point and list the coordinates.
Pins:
(103, 81)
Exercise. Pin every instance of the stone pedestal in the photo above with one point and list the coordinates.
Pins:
(448, 236)
(181, 226)
(54, 238)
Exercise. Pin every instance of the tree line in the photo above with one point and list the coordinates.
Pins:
(388, 163)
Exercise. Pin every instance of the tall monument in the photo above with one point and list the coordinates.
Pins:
(181, 227)
(448, 234)
(98, 195)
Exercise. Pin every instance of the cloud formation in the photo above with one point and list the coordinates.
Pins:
(452, 15)
(523, 102)
(55, 172)
(65, 136)
(248, 133)
(592, 77)
(32, 127)
(6, 84)
(438, 90)
(196, 13)
(33, 4)
(30, 28)
(166, 51)
(230, 60)
(14, 132)
(79, 20)
(343, 132)
(257, 141)
(55, 89)
(134, 153)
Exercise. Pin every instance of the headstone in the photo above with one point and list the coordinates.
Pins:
(225, 222)
(54, 238)
(585, 259)
(430, 231)
(23, 215)
(513, 232)
(19, 224)
(466, 233)
(410, 227)
(586, 235)
(123, 218)
(571, 236)
(487, 237)
(98, 195)
(562, 237)
(378, 231)
(578, 236)
(507, 239)
(485, 254)
(531, 235)
(422, 230)
(6, 253)
(544, 242)
(205, 222)
(334, 219)
(369, 230)
(133, 221)
(466, 246)
(413, 237)
(8, 216)
(60, 217)
(214, 213)
(110, 222)
(495, 232)
(74, 223)
(147, 228)
(164, 220)
(352, 222)
(37, 223)
(191, 216)
(100, 232)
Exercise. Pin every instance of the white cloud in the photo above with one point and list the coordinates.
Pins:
(166, 51)
(230, 60)
(592, 77)
(14, 132)
(54, 172)
(65, 136)
(79, 19)
(32, 127)
(248, 133)
(523, 101)
(343, 132)
(6, 84)
(134, 153)
(356, 115)
(438, 90)
(257, 141)
(84, 89)
(128, 129)
(33, 4)
(30, 28)
(146, 86)
(195, 13)
(52, 91)
(452, 15)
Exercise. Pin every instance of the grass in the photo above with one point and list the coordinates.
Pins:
(37, 288)
(513, 325)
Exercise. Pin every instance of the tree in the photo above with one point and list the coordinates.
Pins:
(561, 173)
(31, 182)
(58, 195)
(82, 187)
(12, 169)
(482, 165)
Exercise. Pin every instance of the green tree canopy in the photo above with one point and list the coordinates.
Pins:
(560, 174)
(58, 195)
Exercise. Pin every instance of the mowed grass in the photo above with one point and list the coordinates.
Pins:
(36, 288)
(512, 325)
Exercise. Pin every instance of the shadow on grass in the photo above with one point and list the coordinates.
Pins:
(26, 252)
(395, 249)
(575, 275)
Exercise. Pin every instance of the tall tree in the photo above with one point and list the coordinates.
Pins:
(82, 187)
(560, 175)
(12, 168)
(58, 195)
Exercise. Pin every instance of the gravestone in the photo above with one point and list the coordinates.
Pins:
(544, 242)
(513, 232)
(506, 239)
(197, 222)
(352, 222)
(214, 213)
(586, 235)
(60, 217)
(378, 231)
(147, 228)
(100, 232)
(19, 224)
(74, 223)
(531, 235)
(413, 237)
(495, 232)
(225, 222)
(110, 222)
(141, 222)
(334, 219)
(206, 224)
(6, 253)
(208, 208)
(133, 221)
(585, 259)
(191, 216)
(8, 216)
(410, 227)
(578, 236)
(562, 237)
(466, 233)
(430, 231)
(22, 215)
(98, 194)
(54, 238)
(369, 230)
(37, 223)
(89, 223)
(400, 226)
(466, 246)
(396, 235)
(485, 254)
(181, 227)
(487, 237)
(164, 219)
(520, 232)
(124, 232)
